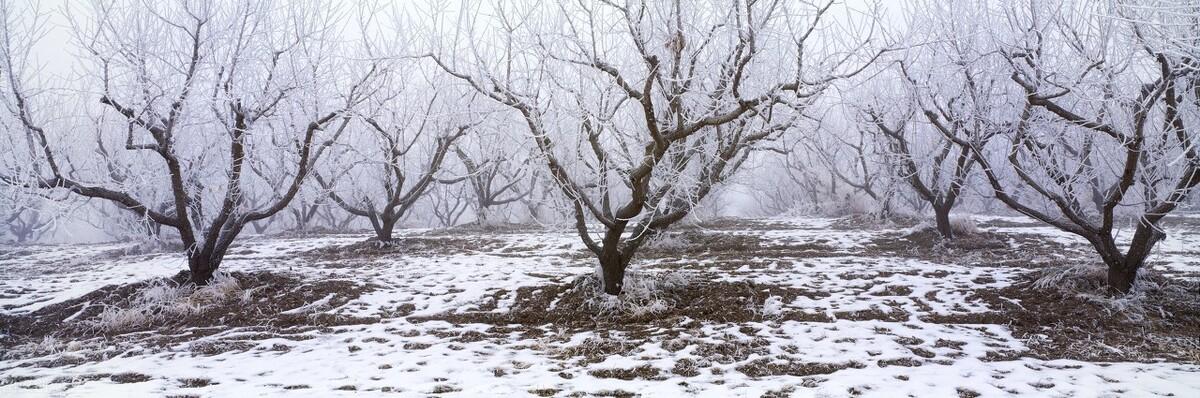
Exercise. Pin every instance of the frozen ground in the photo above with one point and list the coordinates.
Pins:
(792, 307)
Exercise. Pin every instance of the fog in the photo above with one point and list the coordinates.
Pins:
(622, 198)
(624, 118)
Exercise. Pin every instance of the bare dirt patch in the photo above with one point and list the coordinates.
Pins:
(645, 372)
(784, 365)
(268, 302)
(983, 247)
(869, 222)
(1084, 322)
(736, 224)
(420, 245)
(130, 377)
(488, 228)
(573, 306)
(725, 246)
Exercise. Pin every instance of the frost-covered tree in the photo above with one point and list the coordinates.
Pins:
(180, 98)
(1102, 130)
(496, 177)
(395, 151)
(639, 109)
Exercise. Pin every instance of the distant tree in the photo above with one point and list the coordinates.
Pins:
(449, 202)
(931, 165)
(395, 153)
(494, 181)
(26, 221)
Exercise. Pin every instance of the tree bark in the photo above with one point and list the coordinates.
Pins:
(1123, 268)
(942, 217)
(384, 229)
(1121, 279)
(202, 268)
(612, 267)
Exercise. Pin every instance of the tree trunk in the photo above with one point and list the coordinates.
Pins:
(942, 216)
(22, 235)
(202, 268)
(482, 218)
(1123, 269)
(1121, 279)
(383, 230)
(612, 267)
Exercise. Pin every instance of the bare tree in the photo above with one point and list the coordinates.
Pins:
(636, 125)
(449, 202)
(394, 155)
(937, 173)
(1104, 129)
(494, 181)
(857, 163)
(26, 224)
(184, 79)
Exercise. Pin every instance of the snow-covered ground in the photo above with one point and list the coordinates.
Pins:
(830, 351)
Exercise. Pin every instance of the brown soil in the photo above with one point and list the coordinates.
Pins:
(423, 246)
(784, 365)
(685, 367)
(1061, 324)
(696, 242)
(491, 228)
(311, 232)
(197, 382)
(867, 222)
(1178, 221)
(270, 294)
(731, 247)
(126, 378)
(144, 248)
(645, 372)
(1008, 224)
(704, 300)
(985, 247)
(15, 379)
(544, 392)
(735, 224)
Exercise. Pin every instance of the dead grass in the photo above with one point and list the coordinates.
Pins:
(696, 242)
(164, 299)
(984, 248)
(644, 372)
(416, 245)
(269, 302)
(785, 365)
(650, 299)
(873, 222)
(1067, 313)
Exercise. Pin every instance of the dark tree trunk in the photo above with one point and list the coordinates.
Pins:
(1123, 268)
(482, 216)
(612, 267)
(1121, 279)
(202, 268)
(942, 217)
(384, 228)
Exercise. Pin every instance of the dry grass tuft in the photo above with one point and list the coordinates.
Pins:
(165, 299)
(644, 293)
(1146, 300)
